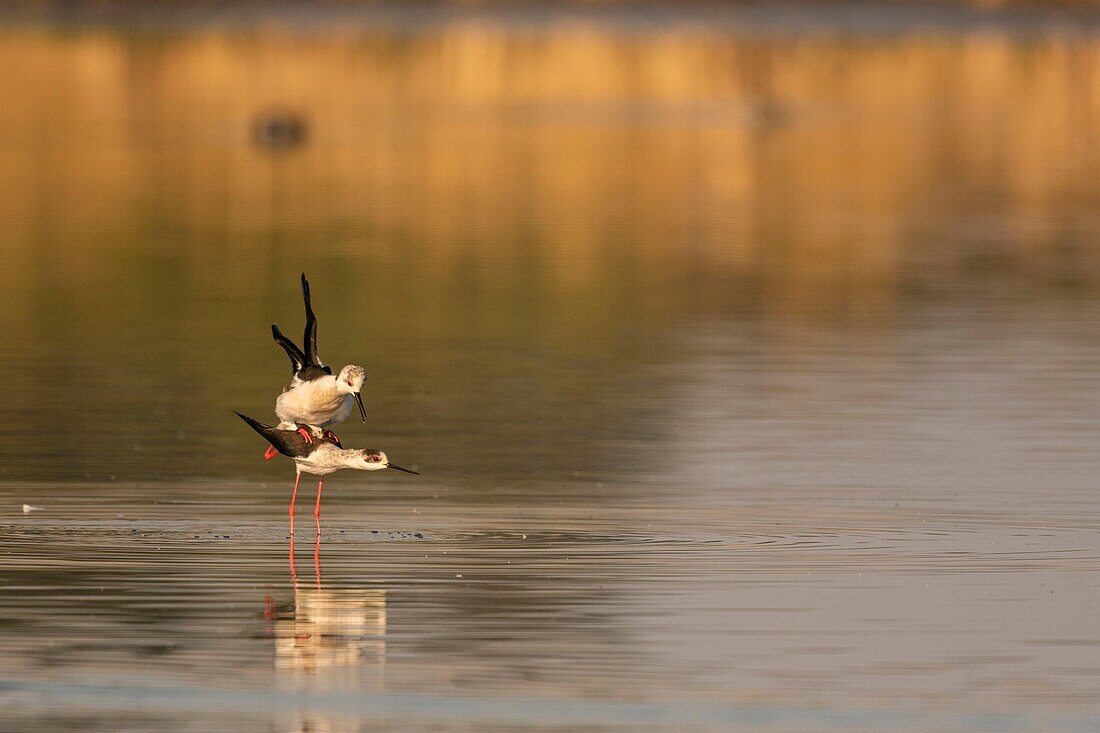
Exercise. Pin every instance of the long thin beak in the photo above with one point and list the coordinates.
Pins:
(398, 468)
(362, 410)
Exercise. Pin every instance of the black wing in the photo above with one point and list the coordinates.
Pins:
(297, 358)
(288, 442)
(309, 340)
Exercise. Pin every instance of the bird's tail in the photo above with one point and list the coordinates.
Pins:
(293, 443)
(259, 427)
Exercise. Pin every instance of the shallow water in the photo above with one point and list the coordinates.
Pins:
(752, 381)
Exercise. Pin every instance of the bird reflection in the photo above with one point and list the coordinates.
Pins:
(330, 639)
(328, 629)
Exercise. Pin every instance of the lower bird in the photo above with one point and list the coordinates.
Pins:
(318, 451)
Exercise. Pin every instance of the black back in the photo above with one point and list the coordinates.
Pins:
(291, 442)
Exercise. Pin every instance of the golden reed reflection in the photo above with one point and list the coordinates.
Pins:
(818, 168)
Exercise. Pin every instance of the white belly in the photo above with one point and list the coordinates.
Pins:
(317, 469)
(314, 403)
(321, 462)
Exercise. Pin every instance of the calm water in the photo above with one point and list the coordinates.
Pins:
(751, 370)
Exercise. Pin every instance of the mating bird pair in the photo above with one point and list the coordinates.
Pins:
(314, 400)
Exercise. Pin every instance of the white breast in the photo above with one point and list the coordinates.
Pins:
(317, 402)
(323, 461)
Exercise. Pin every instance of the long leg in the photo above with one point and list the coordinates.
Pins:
(317, 506)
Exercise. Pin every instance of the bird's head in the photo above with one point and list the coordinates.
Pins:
(374, 460)
(350, 381)
(351, 378)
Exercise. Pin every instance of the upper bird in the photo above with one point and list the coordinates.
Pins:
(314, 396)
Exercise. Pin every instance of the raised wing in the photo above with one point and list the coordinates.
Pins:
(309, 339)
(297, 358)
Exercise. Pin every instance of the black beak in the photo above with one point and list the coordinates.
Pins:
(362, 410)
(398, 468)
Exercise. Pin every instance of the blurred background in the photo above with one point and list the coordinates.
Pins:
(508, 210)
(779, 321)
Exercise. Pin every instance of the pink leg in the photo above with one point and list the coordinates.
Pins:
(294, 496)
(317, 507)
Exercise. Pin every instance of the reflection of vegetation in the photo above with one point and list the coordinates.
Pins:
(566, 150)
(498, 218)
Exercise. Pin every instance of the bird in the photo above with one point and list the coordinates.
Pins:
(318, 451)
(314, 396)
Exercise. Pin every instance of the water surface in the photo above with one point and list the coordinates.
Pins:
(752, 376)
